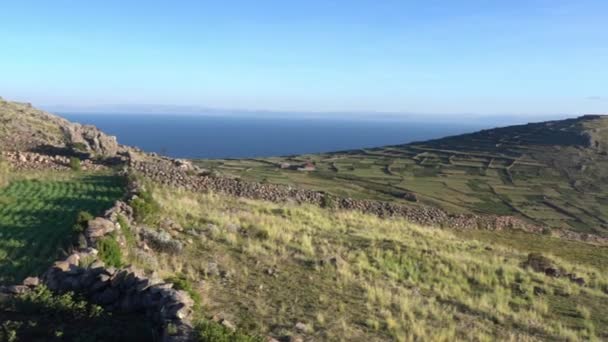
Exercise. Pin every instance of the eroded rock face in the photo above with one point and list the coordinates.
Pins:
(93, 139)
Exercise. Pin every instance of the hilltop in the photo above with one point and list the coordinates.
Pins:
(553, 174)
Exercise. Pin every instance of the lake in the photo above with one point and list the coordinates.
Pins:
(207, 136)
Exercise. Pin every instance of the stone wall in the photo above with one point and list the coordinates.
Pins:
(126, 290)
(166, 172)
(37, 161)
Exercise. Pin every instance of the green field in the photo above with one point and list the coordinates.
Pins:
(544, 173)
(37, 213)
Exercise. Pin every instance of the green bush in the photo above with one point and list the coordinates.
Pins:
(208, 331)
(75, 164)
(41, 300)
(82, 221)
(109, 251)
(81, 147)
(145, 208)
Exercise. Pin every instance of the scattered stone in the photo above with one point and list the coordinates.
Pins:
(212, 269)
(302, 327)
(226, 323)
(31, 281)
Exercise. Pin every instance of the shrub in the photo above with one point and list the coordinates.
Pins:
(109, 251)
(328, 202)
(145, 208)
(79, 147)
(207, 331)
(82, 220)
(41, 300)
(75, 164)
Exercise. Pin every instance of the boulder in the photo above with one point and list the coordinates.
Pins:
(31, 281)
(99, 227)
(92, 140)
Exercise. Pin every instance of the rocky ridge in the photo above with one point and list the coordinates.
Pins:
(25, 128)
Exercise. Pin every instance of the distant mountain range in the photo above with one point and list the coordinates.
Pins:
(499, 119)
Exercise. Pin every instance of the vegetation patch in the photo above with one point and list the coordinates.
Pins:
(109, 251)
(37, 217)
(346, 275)
(40, 315)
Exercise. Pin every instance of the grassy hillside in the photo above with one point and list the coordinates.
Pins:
(552, 173)
(37, 212)
(352, 277)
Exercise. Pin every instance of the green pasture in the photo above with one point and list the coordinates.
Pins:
(37, 214)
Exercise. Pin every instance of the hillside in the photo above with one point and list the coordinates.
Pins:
(553, 174)
(23, 128)
(110, 248)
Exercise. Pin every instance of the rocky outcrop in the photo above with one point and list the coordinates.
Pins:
(91, 139)
(25, 128)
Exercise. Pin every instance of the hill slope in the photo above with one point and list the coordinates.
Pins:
(24, 128)
(551, 173)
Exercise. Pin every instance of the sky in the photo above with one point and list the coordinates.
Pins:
(484, 56)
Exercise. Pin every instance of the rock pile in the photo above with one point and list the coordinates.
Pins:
(542, 264)
(126, 290)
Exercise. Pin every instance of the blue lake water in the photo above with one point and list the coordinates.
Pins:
(199, 136)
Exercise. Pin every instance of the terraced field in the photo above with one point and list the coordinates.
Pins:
(37, 214)
(553, 173)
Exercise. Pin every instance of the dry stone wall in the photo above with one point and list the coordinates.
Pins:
(166, 172)
(36, 161)
(126, 290)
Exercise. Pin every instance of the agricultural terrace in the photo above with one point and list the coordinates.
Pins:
(543, 173)
(37, 212)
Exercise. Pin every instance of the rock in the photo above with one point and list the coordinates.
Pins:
(99, 227)
(539, 290)
(61, 265)
(302, 327)
(108, 296)
(552, 272)
(17, 289)
(93, 140)
(226, 323)
(97, 264)
(31, 281)
(73, 259)
(212, 269)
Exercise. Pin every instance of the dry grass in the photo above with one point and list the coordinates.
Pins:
(351, 276)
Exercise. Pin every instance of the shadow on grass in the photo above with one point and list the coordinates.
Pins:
(36, 221)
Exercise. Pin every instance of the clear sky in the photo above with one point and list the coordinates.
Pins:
(484, 56)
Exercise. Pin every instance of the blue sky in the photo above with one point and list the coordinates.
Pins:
(508, 57)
